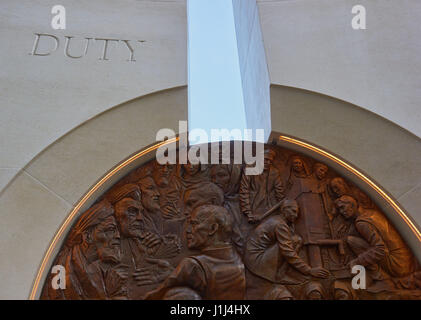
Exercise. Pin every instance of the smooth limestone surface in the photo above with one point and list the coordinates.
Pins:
(44, 97)
(310, 44)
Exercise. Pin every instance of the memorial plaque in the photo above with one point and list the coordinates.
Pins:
(188, 231)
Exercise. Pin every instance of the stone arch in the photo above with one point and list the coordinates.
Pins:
(40, 197)
(294, 106)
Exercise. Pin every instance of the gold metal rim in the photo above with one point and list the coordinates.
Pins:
(85, 198)
(360, 175)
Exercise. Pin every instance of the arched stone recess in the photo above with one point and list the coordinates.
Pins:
(38, 200)
(134, 183)
(43, 194)
(384, 152)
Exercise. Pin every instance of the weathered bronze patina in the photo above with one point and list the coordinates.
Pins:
(212, 232)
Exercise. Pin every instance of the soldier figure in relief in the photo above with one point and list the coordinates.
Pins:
(170, 190)
(260, 193)
(272, 254)
(92, 258)
(375, 242)
(227, 177)
(217, 272)
(313, 224)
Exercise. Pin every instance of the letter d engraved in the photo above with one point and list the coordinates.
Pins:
(59, 280)
(358, 281)
(35, 47)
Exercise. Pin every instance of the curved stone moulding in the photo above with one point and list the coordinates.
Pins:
(188, 231)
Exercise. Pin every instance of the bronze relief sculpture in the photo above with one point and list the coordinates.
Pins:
(211, 232)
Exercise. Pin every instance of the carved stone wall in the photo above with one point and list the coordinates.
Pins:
(211, 232)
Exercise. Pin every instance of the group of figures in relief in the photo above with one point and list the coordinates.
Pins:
(195, 231)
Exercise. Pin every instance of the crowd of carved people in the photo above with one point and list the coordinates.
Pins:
(195, 231)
